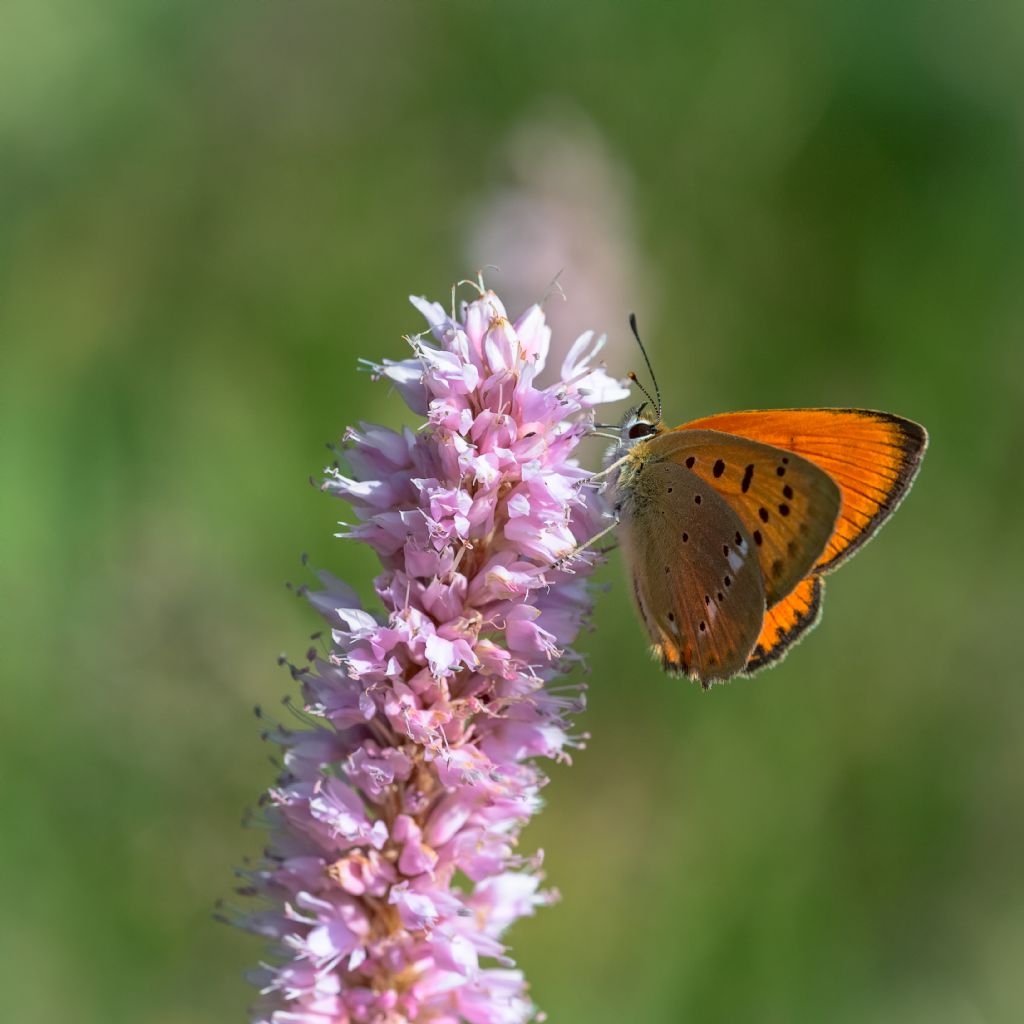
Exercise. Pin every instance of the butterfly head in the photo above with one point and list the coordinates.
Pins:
(639, 424)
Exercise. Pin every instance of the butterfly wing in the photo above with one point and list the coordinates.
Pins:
(786, 623)
(873, 458)
(697, 587)
(787, 504)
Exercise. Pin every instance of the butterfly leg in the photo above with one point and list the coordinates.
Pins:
(617, 464)
(563, 562)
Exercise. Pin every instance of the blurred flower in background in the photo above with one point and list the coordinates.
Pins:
(562, 221)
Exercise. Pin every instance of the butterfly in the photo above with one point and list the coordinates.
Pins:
(729, 523)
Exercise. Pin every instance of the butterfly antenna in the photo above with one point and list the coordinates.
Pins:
(650, 369)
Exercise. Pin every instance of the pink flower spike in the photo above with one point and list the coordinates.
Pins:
(428, 720)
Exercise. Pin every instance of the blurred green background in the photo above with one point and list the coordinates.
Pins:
(210, 211)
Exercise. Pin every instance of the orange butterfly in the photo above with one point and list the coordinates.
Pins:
(729, 522)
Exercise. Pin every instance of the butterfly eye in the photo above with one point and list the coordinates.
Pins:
(640, 429)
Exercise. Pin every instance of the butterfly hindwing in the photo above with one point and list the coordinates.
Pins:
(872, 456)
(787, 622)
(696, 582)
(787, 505)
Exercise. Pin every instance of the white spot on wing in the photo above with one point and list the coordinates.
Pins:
(735, 561)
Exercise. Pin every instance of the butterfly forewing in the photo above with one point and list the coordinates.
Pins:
(872, 456)
(787, 505)
(696, 581)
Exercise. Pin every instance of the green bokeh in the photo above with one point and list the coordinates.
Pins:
(211, 210)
